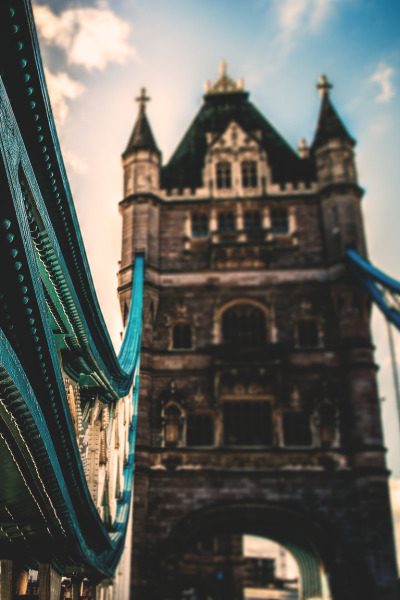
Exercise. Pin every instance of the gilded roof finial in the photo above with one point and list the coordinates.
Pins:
(303, 148)
(323, 86)
(224, 83)
(142, 99)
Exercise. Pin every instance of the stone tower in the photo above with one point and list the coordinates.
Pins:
(258, 409)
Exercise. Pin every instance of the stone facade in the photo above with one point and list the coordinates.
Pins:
(258, 409)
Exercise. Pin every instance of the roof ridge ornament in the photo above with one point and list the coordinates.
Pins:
(323, 86)
(224, 83)
(142, 99)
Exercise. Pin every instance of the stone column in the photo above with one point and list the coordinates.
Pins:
(6, 579)
(49, 582)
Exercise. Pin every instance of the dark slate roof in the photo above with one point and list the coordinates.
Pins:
(329, 125)
(218, 110)
(142, 137)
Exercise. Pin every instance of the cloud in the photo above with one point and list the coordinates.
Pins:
(77, 163)
(61, 89)
(294, 15)
(382, 77)
(91, 37)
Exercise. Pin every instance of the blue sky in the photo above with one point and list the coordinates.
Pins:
(99, 54)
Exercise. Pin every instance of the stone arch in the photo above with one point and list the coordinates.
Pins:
(296, 531)
(218, 321)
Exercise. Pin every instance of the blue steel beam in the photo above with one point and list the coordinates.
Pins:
(378, 285)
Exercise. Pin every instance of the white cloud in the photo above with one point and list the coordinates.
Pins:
(61, 89)
(294, 15)
(77, 163)
(91, 37)
(382, 77)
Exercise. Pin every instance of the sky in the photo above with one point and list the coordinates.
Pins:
(98, 54)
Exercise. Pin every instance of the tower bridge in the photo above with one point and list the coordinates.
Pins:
(257, 411)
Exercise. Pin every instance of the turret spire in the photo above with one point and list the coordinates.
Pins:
(329, 124)
(142, 137)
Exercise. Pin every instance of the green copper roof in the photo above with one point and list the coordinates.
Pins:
(218, 110)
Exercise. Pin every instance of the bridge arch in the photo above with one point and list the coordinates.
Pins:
(298, 533)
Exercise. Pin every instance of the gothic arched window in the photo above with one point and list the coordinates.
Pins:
(226, 222)
(244, 324)
(249, 174)
(199, 225)
(181, 336)
(252, 220)
(247, 423)
(279, 221)
(223, 173)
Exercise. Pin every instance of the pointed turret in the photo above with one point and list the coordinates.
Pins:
(142, 137)
(335, 166)
(141, 159)
(330, 126)
(332, 145)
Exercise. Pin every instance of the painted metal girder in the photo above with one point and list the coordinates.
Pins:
(49, 314)
(382, 289)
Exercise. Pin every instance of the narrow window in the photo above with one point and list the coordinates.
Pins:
(279, 221)
(182, 336)
(247, 423)
(244, 324)
(199, 225)
(296, 429)
(249, 174)
(307, 332)
(252, 220)
(226, 222)
(224, 179)
(199, 430)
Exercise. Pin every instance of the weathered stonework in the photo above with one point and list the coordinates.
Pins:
(258, 408)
